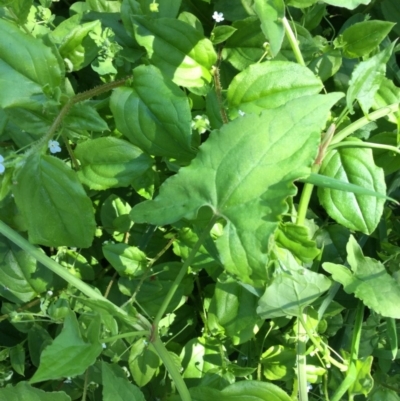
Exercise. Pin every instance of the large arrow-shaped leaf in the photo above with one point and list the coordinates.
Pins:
(244, 173)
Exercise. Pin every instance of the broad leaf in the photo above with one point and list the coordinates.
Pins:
(354, 166)
(177, 49)
(245, 46)
(362, 38)
(110, 162)
(366, 80)
(384, 158)
(26, 66)
(117, 388)
(221, 33)
(143, 362)
(291, 290)
(244, 172)
(391, 12)
(271, 13)
(251, 91)
(22, 278)
(387, 94)
(68, 355)
(23, 391)
(53, 203)
(234, 308)
(249, 390)
(326, 65)
(154, 114)
(128, 261)
(368, 281)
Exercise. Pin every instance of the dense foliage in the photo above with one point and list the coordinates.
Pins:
(198, 200)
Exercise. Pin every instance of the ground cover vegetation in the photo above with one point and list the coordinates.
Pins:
(198, 200)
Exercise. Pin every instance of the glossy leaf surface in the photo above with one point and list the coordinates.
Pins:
(248, 178)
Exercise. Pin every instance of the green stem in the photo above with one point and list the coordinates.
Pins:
(40, 256)
(125, 335)
(359, 144)
(302, 359)
(345, 132)
(182, 272)
(293, 41)
(169, 363)
(305, 198)
(356, 338)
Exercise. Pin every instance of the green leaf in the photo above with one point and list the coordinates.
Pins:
(143, 362)
(326, 65)
(128, 261)
(26, 66)
(251, 92)
(350, 4)
(387, 94)
(368, 281)
(245, 46)
(278, 363)
(114, 212)
(53, 203)
(177, 49)
(362, 38)
(78, 47)
(391, 12)
(366, 79)
(354, 166)
(384, 158)
(271, 13)
(17, 359)
(291, 290)
(110, 162)
(154, 114)
(301, 3)
(83, 117)
(68, 355)
(244, 172)
(391, 332)
(21, 9)
(23, 391)
(297, 240)
(250, 390)
(221, 33)
(364, 381)
(234, 308)
(22, 278)
(118, 388)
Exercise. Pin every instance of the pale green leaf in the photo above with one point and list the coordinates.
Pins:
(110, 162)
(292, 289)
(368, 281)
(387, 94)
(301, 3)
(25, 392)
(117, 388)
(354, 166)
(221, 33)
(68, 355)
(251, 91)
(244, 172)
(366, 79)
(177, 49)
(154, 114)
(271, 13)
(350, 4)
(53, 203)
(249, 390)
(26, 66)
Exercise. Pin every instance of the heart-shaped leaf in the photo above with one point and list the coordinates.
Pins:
(244, 172)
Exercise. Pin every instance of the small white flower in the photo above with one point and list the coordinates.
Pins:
(49, 293)
(241, 113)
(54, 146)
(104, 345)
(219, 17)
(309, 387)
(67, 380)
(2, 167)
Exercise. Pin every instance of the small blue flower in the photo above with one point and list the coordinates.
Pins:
(2, 167)
(54, 146)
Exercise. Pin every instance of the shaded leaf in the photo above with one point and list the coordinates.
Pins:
(244, 172)
(387, 94)
(23, 391)
(53, 203)
(368, 281)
